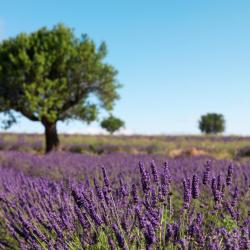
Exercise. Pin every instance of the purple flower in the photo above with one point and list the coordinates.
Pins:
(107, 196)
(134, 194)
(82, 218)
(154, 217)
(141, 219)
(144, 179)
(195, 187)
(167, 172)
(199, 219)
(217, 196)
(219, 182)
(229, 175)
(111, 243)
(119, 237)
(206, 175)
(123, 188)
(187, 193)
(169, 232)
(154, 172)
(176, 230)
(230, 210)
(105, 177)
(98, 190)
(213, 184)
(235, 197)
(97, 219)
(154, 197)
(149, 234)
(160, 196)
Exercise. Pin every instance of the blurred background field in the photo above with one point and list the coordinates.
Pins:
(220, 147)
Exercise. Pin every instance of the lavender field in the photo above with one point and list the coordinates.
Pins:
(122, 201)
(124, 125)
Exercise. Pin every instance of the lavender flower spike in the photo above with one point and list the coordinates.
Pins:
(195, 187)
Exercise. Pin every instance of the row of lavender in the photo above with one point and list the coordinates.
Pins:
(76, 203)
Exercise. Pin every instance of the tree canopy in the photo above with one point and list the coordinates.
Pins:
(112, 124)
(212, 123)
(50, 76)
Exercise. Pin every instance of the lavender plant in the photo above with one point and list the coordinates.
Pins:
(124, 202)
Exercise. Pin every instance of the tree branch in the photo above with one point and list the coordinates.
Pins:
(31, 116)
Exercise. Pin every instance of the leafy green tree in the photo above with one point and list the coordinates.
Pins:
(50, 75)
(112, 124)
(212, 123)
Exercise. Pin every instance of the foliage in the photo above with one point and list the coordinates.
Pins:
(212, 123)
(50, 76)
(112, 124)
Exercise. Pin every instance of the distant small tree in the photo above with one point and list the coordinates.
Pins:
(212, 123)
(112, 124)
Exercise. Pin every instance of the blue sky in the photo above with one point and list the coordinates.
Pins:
(176, 59)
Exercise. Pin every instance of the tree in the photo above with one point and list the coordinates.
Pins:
(51, 75)
(112, 124)
(212, 123)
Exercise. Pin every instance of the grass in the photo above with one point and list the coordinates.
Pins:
(221, 147)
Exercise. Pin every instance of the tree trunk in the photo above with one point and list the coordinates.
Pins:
(51, 137)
